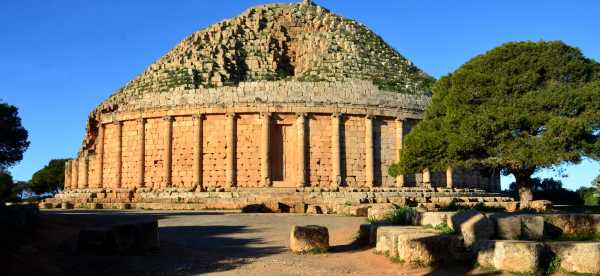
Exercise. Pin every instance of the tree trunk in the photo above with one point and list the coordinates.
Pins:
(524, 186)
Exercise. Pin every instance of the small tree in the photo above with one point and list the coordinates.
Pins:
(49, 179)
(519, 107)
(13, 137)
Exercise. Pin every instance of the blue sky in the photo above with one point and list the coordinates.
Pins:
(60, 58)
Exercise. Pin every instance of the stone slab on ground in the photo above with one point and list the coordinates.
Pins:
(379, 212)
(510, 255)
(309, 238)
(387, 238)
(428, 248)
(577, 257)
(433, 218)
(571, 223)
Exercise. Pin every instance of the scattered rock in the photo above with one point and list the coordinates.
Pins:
(378, 213)
(309, 238)
(427, 248)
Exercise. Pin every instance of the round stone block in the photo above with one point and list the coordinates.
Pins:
(309, 238)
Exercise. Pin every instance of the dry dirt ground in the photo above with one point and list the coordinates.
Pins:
(212, 243)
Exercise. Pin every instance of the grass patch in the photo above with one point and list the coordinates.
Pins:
(401, 216)
(579, 236)
(443, 228)
(554, 265)
(318, 250)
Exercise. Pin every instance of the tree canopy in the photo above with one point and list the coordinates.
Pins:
(13, 137)
(519, 107)
(49, 179)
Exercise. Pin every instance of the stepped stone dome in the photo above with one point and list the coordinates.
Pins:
(281, 96)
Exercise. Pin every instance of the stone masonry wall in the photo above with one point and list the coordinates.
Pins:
(353, 153)
(214, 151)
(319, 156)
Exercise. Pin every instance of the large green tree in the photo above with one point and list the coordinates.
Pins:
(519, 107)
(13, 137)
(49, 179)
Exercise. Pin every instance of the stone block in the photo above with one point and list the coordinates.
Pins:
(67, 205)
(433, 218)
(518, 256)
(532, 227)
(378, 213)
(309, 238)
(473, 225)
(577, 257)
(387, 237)
(428, 248)
(508, 227)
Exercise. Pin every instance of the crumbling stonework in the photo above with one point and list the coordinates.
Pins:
(282, 96)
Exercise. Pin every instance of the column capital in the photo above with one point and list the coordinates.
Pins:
(265, 114)
(399, 119)
(370, 116)
(198, 117)
(168, 118)
(337, 114)
(141, 120)
(117, 122)
(302, 114)
(230, 114)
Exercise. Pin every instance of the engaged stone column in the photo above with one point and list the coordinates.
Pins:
(67, 184)
(168, 157)
(426, 178)
(197, 176)
(399, 142)
(369, 162)
(301, 121)
(449, 176)
(99, 155)
(231, 133)
(265, 156)
(84, 169)
(119, 146)
(141, 144)
(74, 173)
(335, 150)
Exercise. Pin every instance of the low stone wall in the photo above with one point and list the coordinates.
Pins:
(343, 201)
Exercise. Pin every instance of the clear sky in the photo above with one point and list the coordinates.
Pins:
(61, 58)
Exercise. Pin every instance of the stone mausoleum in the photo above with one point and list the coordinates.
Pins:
(286, 105)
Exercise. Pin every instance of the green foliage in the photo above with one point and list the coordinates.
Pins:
(554, 266)
(585, 235)
(49, 179)
(401, 216)
(13, 141)
(589, 196)
(443, 228)
(519, 107)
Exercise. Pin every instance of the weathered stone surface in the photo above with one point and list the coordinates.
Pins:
(532, 227)
(381, 212)
(557, 224)
(473, 225)
(518, 256)
(309, 238)
(67, 205)
(538, 205)
(508, 227)
(577, 257)
(131, 238)
(387, 237)
(428, 248)
(433, 218)
(514, 227)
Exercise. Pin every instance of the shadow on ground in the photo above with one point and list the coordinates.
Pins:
(184, 249)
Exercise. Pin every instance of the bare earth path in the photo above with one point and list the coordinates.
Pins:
(213, 243)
